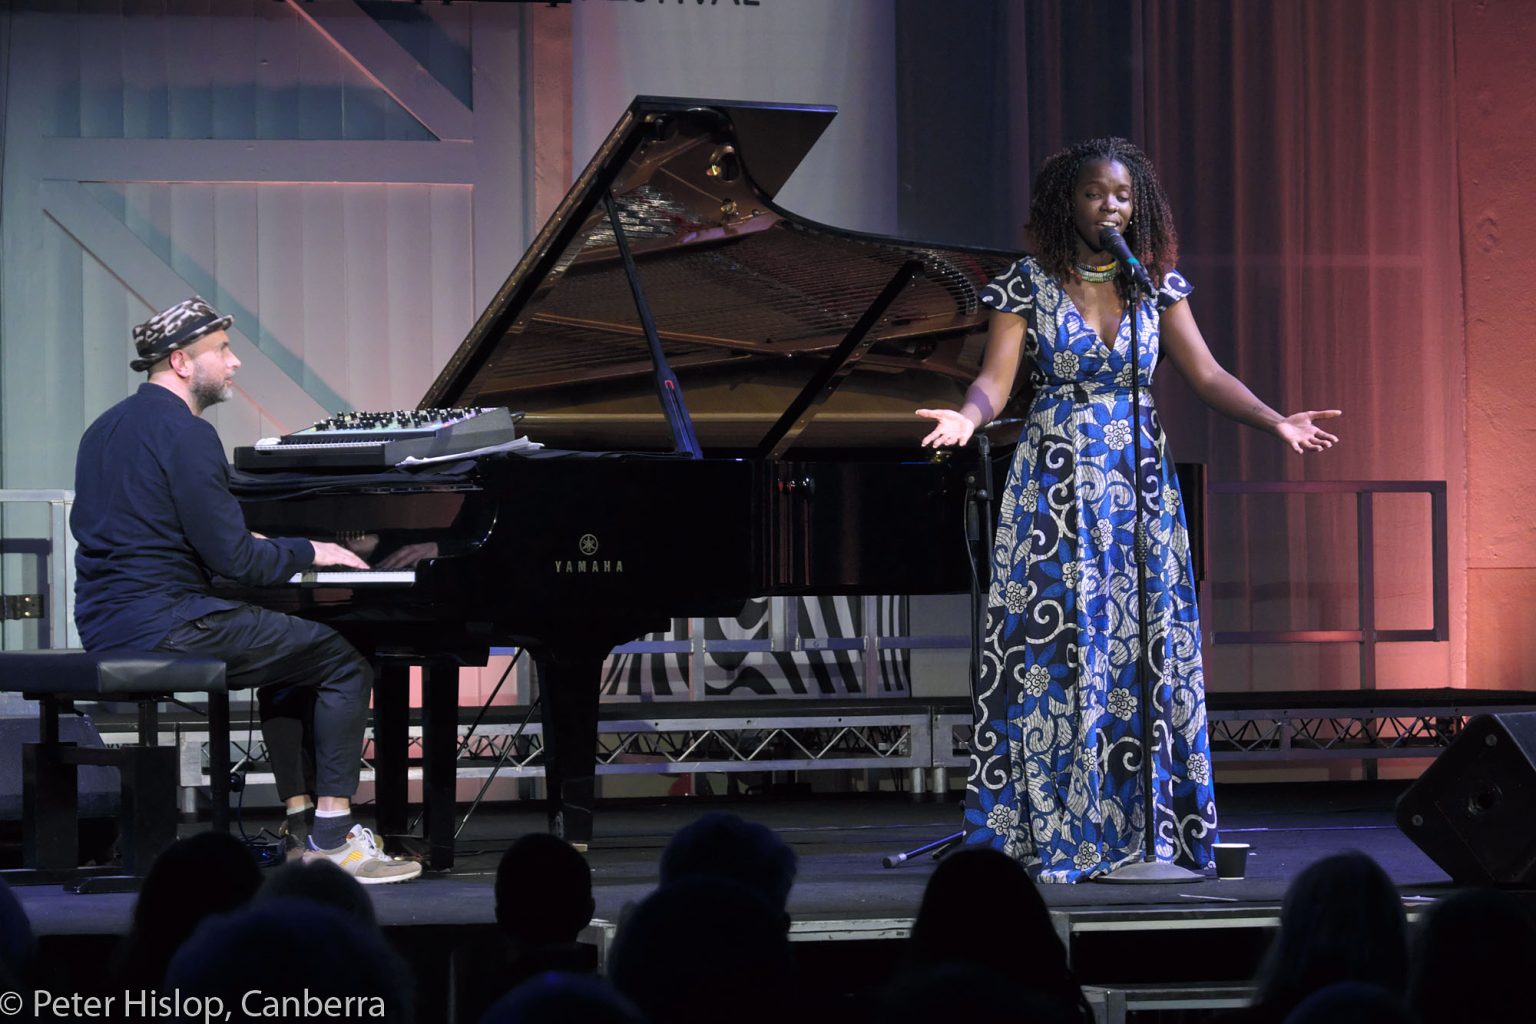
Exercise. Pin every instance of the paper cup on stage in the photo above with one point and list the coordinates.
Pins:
(1231, 860)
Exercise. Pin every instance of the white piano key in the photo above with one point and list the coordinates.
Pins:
(354, 577)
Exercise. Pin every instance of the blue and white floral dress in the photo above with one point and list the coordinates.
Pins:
(1055, 777)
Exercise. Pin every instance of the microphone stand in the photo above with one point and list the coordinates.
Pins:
(1149, 870)
(978, 537)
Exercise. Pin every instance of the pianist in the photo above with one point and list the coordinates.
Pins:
(155, 522)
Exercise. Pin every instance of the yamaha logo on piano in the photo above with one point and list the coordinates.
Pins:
(588, 565)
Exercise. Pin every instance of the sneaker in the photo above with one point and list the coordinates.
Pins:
(361, 858)
(295, 843)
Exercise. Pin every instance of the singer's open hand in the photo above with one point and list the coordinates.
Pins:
(1303, 435)
(952, 428)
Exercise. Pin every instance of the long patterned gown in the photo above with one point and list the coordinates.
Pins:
(1056, 761)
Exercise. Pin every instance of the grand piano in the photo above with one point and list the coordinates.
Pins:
(724, 391)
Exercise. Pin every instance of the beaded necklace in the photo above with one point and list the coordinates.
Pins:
(1098, 275)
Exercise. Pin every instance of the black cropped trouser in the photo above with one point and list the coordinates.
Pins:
(312, 688)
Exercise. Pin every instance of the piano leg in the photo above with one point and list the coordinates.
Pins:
(569, 680)
(439, 756)
(391, 717)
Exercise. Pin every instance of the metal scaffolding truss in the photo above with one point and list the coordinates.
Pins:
(1333, 736)
(928, 738)
(722, 744)
(1361, 733)
(658, 746)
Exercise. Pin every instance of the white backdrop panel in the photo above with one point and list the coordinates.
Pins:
(790, 51)
(235, 69)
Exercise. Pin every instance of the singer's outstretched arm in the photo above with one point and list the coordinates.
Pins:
(1213, 385)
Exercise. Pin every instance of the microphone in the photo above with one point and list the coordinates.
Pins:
(1111, 241)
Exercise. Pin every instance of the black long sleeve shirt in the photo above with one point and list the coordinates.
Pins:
(154, 522)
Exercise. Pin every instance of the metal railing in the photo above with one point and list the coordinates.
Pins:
(1368, 634)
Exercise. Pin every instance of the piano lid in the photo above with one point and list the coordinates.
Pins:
(748, 299)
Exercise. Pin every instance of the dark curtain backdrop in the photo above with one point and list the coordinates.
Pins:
(1308, 150)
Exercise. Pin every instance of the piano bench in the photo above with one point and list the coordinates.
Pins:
(49, 794)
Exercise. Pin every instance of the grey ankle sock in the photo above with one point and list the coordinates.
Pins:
(330, 830)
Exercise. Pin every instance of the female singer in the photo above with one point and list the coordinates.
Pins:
(1056, 763)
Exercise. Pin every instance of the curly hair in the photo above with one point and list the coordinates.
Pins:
(1151, 234)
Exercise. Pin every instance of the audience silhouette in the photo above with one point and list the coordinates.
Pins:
(703, 950)
(292, 958)
(1470, 957)
(1351, 1002)
(543, 900)
(1341, 920)
(202, 874)
(720, 845)
(18, 946)
(543, 893)
(955, 991)
(561, 998)
(322, 882)
(1024, 953)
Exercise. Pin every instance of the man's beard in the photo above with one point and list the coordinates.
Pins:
(208, 390)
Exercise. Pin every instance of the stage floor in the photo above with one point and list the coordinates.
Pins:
(841, 841)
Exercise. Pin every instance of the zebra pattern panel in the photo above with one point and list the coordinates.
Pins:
(801, 674)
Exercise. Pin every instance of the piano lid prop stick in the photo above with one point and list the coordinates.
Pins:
(667, 389)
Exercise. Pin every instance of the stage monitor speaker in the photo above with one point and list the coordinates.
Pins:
(1473, 809)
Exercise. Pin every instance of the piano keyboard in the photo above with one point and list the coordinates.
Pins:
(353, 578)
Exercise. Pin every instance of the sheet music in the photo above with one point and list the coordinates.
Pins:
(518, 444)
